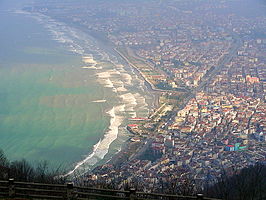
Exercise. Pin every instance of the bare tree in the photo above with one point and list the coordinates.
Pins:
(21, 170)
(237, 184)
(4, 165)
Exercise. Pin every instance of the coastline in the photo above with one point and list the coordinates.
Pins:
(149, 85)
(103, 42)
(127, 145)
(129, 149)
(152, 87)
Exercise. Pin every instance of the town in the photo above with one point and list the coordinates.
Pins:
(208, 65)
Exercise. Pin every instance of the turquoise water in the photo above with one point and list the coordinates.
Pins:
(45, 98)
(63, 97)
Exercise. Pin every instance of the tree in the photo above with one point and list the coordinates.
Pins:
(21, 170)
(246, 184)
(4, 166)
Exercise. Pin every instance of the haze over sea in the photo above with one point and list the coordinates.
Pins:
(62, 98)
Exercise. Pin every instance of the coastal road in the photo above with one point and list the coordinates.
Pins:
(151, 86)
(206, 80)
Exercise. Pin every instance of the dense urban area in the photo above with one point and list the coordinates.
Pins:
(206, 62)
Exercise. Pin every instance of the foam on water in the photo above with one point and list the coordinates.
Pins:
(129, 98)
(89, 67)
(127, 78)
(89, 60)
(121, 89)
(81, 163)
(99, 101)
(103, 75)
(102, 147)
(118, 79)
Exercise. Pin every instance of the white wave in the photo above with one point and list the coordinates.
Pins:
(103, 75)
(130, 101)
(102, 147)
(121, 89)
(79, 164)
(118, 82)
(104, 78)
(99, 101)
(113, 72)
(108, 83)
(119, 66)
(119, 85)
(61, 33)
(127, 78)
(88, 60)
(129, 98)
(114, 90)
(89, 67)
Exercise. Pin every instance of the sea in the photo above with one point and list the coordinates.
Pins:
(63, 98)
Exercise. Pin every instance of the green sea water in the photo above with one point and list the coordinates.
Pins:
(46, 109)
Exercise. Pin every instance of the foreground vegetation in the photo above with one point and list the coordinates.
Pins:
(234, 184)
(22, 170)
(246, 184)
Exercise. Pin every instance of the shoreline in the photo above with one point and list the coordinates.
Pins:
(127, 145)
(152, 87)
(128, 149)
